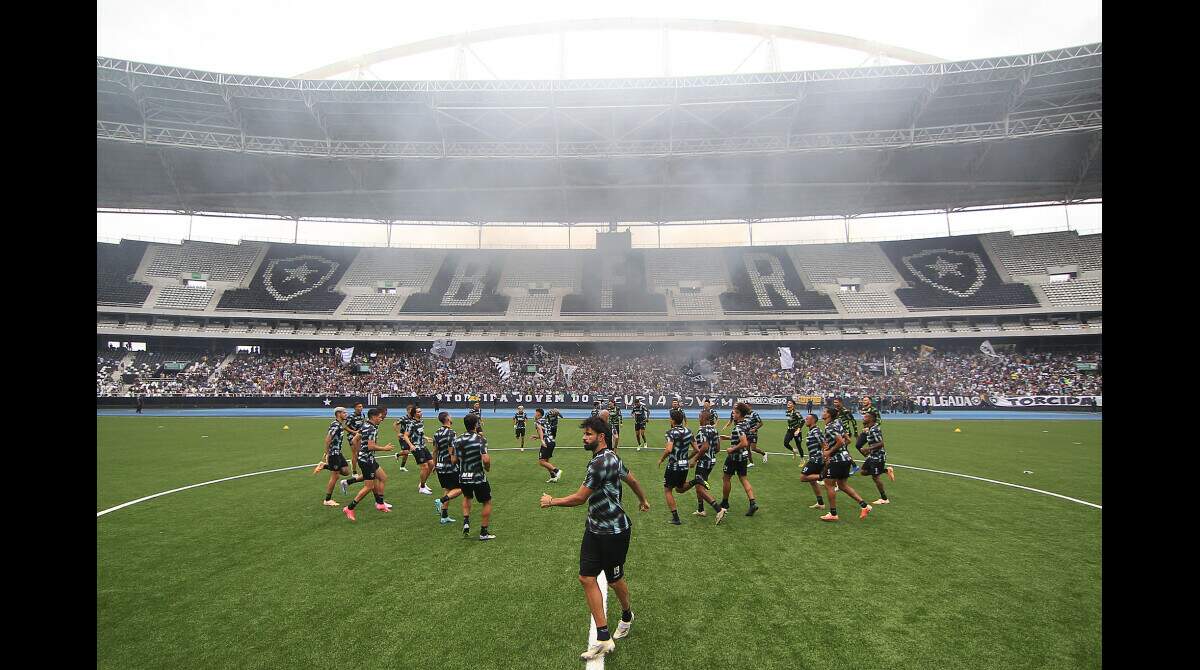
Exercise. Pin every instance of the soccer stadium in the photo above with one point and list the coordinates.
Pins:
(769, 335)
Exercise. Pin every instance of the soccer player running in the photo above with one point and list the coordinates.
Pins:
(447, 467)
(875, 464)
(845, 416)
(354, 424)
(606, 535)
(837, 466)
(708, 442)
(753, 423)
(546, 437)
(678, 452)
(737, 456)
(401, 427)
(519, 425)
(474, 464)
(416, 440)
(478, 415)
(815, 464)
(867, 408)
(614, 423)
(794, 429)
(334, 461)
(640, 416)
(373, 474)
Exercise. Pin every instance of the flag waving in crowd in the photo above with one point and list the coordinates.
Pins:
(988, 350)
(786, 361)
(443, 347)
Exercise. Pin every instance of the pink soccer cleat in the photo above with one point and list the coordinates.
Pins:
(349, 513)
(384, 507)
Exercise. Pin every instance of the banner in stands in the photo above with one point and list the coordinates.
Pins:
(948, 400)
(1048, 401)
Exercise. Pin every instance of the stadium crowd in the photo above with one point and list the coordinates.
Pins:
(755, 371)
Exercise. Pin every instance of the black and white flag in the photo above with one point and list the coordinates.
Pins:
(443, 347)
(346, 355)
(987, 349)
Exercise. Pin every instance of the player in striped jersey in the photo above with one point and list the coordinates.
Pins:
(416, 439)
(373, 474)
(735, 462)
(354, 423)
(401, 427)
(815, 464)
(447, 467)
(614, 423)
(334, 461)
(845, 416)
(547, 437)
(708, 442)
(474, 464)
(866, 408)
(519, 425)
(596, 409)
(753, 423)
(837, 466)
(640, 416)
(792, 434)
(679, 449)
(478, 415)
(606, 535)
(875, 464)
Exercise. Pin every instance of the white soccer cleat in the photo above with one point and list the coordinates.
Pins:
(881, 501)
(425, 490)
(749, 465)
(597, 649)
(403, 469)
(764, 458)
(331, 503)
(721, 515)
(557, 475)
(623, 627)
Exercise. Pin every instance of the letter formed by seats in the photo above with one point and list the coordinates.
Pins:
(776, 280)
(466, 274)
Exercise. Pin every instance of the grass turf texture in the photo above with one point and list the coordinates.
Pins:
(255, 573)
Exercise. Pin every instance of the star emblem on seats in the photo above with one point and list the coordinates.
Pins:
(302, 272)
(944, 267)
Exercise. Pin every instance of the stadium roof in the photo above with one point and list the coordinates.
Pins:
(992, 131)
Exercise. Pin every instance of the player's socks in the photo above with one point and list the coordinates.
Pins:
(820, 500)
(328, 496)
(724, 503)
(378, 499)
(626, 615)
(602, 633)
(700, 506)
(833, 511)
(675, 518)
(353, 504)
(753, 508)
(862, 503)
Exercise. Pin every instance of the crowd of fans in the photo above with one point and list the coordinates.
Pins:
(729, 370)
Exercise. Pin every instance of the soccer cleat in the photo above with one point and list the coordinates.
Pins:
(445, 520)
(829, 517)
(764, 458)
(331, 503)
(384, 507)
(342, 484)
(721, 515)
(349, 513)
(700, 513)
(749, 465)
(598, 649)
(675, 522)
(623, 627)
(753, 509)
(466, 530)
(403, 469)
(557, 475)
(882, 501)
(865, 511)
(425, 490)
(891, 473)
(437, 506)
(817, 506)
(854, 469)
(483, 537)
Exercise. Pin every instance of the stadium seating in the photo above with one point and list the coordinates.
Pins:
(371, 304)
(1076, 292)
(559, 269)
(222, 262)
(667, 268)
(465, 284)
(293, 278)
(1022, 255)
(825, 263)
(696, 304)
(532, 307)
(616, 284)
(952, 272)
(868, 301)
(764, 279)
(115, 267)
(184, 297)
(406, 267)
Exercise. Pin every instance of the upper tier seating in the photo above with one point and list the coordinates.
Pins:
(465, 284)
(952, 272)
(614, 283)
(1074, 292)
(696, 304)
(184, 297)
(559, 269)
(405, 267)
(825, 263)
(532, 307)
(666, 268)
(371, 304)
(1032, 254)
(764, 279)
(293, 278)
(856, 302)
(115, 267)
(222, 262)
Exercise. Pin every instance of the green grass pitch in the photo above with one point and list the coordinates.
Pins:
(255, 573)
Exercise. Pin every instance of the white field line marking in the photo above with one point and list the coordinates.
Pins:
(602, 582)
(309, 465)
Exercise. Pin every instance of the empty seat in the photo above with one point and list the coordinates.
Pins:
(184, 297)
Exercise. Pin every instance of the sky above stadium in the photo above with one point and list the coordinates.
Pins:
(287, 37)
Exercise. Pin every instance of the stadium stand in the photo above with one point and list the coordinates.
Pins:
(293, 278)
(668, 268)
(465, 284)
(223, 262)
(371, 304)
(184, 297)
(1077, 292)
(764, 279)
(532, 307)
(868, 301)
(1022, 255)
(826, 263)
(614, 284)
(952, 272)
(558, 269)
(410, 268)
(115, 267)
(696, 305)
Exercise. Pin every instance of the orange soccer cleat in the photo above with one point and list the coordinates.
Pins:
(865, 511)
(891, 473)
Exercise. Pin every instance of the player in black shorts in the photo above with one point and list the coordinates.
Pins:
(837, 466)
(614, 423)
(735, 462)
(866, 409)
(753, 423)
(334, 461)
(447, 467)
(373, 474)
(479, 416)
(792, 433)
(519, 425)
(640, 416)
(474, 464)
(845, 416)
(875, 464)
(546, 438)
(815, 464)
(678, 452)
(708, 443)
(401, 427)
(606, 535)
(416, 440)
(354, 423)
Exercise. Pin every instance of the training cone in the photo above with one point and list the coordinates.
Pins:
(957, 430)
(285, 427)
